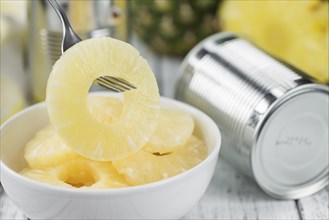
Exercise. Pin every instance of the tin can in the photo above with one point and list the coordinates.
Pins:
(273, 118)
(88, 18)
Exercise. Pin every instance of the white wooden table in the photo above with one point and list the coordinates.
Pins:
(230, 195)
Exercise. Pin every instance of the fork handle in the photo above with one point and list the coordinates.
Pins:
(69, 36)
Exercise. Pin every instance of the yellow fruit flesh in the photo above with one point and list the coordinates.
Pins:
(105, 108)
(79, 173)
(91, 131)
(144, 167)
(295, 31)
(54, 163)
(174, 128)
(47, 149)
(86, 173)
(44, 176)
(67, 91)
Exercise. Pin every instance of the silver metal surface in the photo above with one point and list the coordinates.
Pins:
(88, 18)
(241, 87)
(70, 38)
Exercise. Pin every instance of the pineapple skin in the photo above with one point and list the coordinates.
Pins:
(294, 31)
(173, 27)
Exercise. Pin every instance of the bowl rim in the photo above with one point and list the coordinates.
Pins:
(213, 155)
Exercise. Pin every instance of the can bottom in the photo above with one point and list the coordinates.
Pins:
(290, 158)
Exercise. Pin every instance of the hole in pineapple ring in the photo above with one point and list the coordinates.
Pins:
(78, 174)
(163, 154)
(105, 108)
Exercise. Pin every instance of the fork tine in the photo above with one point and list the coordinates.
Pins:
(70, 38)
(115, 82)
(106, 85)
(120, 80)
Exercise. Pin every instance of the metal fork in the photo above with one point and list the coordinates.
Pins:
(70, 38)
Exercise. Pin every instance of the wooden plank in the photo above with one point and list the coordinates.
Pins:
(316, 206)
(232, 195)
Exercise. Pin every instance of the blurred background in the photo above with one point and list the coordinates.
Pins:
(163, 30)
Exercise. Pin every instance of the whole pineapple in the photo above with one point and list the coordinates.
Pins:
(174, 26)
(295, 31)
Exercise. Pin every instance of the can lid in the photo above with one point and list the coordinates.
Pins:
(290, 157)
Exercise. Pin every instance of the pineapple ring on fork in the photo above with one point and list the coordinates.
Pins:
(67, 91)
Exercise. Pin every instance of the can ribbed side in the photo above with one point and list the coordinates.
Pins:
(260, 69)
(270, 114)
(230, 103)
(229, 80)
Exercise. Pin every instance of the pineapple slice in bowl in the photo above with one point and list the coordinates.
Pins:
(145, 167)
(79, 173)
(47, 149)
(177, 194)
(173, 130)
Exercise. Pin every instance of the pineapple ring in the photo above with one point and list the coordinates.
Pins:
(173, 130)
(43, 176)
(144, 167)
(67, 91)
(105, 108)
(47, 149)
(86, 173)
(79, 173)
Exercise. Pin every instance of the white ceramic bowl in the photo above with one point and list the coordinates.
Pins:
(171, 198)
